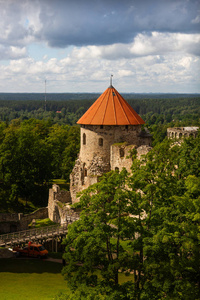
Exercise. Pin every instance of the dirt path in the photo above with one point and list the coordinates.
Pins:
(57, 260)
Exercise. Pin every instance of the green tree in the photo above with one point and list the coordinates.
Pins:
(71, 152)
(146, 223)
(94, 242)
(25, 162)
(64, 143)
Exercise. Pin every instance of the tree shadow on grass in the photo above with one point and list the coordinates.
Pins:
(32, 265)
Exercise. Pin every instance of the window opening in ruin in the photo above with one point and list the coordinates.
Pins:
(100, 142)
(180, 135)
(117, 169)
(121, 152)
(84, 139)
(85, 172)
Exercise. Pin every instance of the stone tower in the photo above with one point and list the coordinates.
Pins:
(109, 130)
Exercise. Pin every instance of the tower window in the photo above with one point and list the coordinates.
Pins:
(121, 152)
(84, 139)
(100, 142)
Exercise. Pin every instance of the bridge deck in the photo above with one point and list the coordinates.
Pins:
(35, 234)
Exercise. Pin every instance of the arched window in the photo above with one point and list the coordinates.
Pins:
(121, 152)
(100, 142)
(84, 139)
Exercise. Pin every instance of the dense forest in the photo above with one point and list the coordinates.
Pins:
(68, 108)
(39, 141)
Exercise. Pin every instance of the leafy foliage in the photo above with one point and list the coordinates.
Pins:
(32, 153)
(156, 212)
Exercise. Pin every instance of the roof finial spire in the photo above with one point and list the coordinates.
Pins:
(111, 76)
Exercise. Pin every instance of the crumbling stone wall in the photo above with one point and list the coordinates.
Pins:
(58, 205)
(143, 150)
(83, 175)
(16, 222)
(25, 220)
(182, 132)
(121, 155)
(57, 199)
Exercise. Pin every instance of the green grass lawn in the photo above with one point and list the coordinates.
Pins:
(33, 279)
(30, 279)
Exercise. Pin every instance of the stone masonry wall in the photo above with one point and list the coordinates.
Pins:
(181, 132)
(121, 157)
(15, 222)
(25, 220)
(57, 204)
(99, 139)
(83, 176)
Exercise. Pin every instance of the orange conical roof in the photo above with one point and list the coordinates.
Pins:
(110, 109)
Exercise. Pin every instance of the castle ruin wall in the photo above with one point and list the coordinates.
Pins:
(182, 132)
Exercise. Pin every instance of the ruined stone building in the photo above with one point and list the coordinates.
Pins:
(109, 130)
(182, 132)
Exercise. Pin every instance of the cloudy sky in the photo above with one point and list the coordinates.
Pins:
(148, 45)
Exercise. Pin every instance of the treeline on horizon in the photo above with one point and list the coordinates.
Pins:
(68, 108)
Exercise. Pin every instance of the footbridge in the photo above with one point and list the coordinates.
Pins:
(37, 234)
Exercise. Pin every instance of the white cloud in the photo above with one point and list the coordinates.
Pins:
(143, 45)
(12, 52)
(151, 46)
(153, 73)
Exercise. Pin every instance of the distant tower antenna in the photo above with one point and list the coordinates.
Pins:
(45, 96)
(111, 76)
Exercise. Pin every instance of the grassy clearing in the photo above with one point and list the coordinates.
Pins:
(62, 183)
(24, 278)
(34, 278)
(41, 223)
